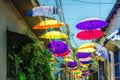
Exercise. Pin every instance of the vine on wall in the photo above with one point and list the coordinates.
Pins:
(31, 62)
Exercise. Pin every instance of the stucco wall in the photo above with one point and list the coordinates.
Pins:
(10, 19)
(113, 25)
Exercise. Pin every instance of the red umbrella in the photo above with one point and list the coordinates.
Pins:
(89, 34)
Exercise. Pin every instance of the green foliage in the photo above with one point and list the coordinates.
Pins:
(31, 63)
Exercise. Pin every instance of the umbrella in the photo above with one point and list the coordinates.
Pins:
(54, 35)
(83, 54)
(87, 45)
(68, 59)
(62, 54)
(85, 59)
(43, 11)
(102, 51)
(87, 50)
(81, 64)
(85, 71)
(57, 47)
(91, 23)
(85, 62)
(89, 34)
(76, 71)
(72, 64)
(48, 24)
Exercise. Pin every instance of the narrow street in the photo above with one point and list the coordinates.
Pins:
(59, 40)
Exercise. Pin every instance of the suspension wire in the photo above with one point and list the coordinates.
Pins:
(92, 2)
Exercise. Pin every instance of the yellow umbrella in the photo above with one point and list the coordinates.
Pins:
(54, 35)
(84, 64)
(76, 71)
(87, 45)
(87, 50)
(68, 59)
(48, 24)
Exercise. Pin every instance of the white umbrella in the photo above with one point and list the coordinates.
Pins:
(43, 11)
(102, 51)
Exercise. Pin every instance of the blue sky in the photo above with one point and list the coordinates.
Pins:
(77, 10)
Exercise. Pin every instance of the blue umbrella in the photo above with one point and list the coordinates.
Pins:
(43, 11)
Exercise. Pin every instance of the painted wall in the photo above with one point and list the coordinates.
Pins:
(113, 25)
(10, 19)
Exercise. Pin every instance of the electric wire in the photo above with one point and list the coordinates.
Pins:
(92, 2)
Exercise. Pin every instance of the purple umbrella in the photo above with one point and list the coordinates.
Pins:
(83, 54)
(58, 47)
(91, 23)
(72, 64)
(84, 71)
(85, 62)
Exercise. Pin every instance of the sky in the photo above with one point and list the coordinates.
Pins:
(77, 10)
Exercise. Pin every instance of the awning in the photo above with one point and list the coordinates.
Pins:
(114, 36)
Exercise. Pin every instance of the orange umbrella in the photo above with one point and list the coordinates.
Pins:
(48, 24)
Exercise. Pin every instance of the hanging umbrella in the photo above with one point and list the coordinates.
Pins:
(73, 68)
(87, 45)
(87, 50)
(85, 62)
(89, 34)
(91, 23)
(62, 54)
(43, 11)
(83, 68)
(54, 35)
(68, 59)
(85, 71)
(57, 47)
(72, 64)
(48, 24)
(76, 71)
(83, 54)
(102, 51)
(85, 59)
(81, 64)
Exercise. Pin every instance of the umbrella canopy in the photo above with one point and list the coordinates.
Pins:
(85, 59)
(85, 71)
(102, 51)
(57, 47)
(54, 35)
(76, 71)
(81, 64)
(83, 54)
(72, 64)
(68, 59)
(48, 24)
(85, 62)
(89, 34)
(87, 50)
(43, 11)
(87, 45)
(62, 54)
(91, 23)
(73, 68)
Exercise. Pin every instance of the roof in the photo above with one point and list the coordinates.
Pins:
(113, 11)
(23, 6)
